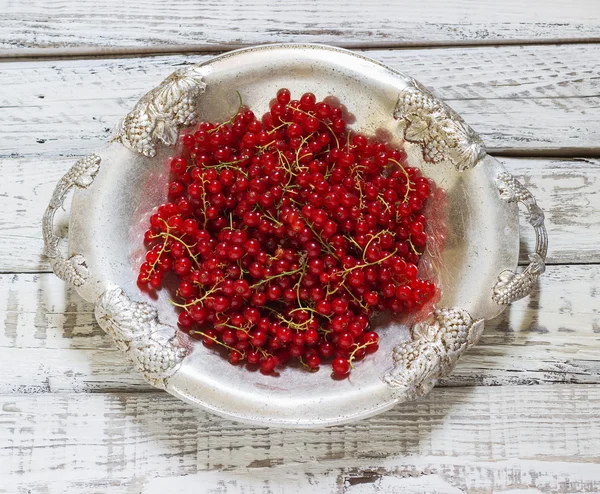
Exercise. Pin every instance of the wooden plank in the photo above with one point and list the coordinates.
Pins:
(542, 438)
(147, 24)
(568, 190)
(51, 344)
(520, 99)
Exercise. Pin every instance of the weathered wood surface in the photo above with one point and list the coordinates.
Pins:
(521, 99)
(481, 439)
(520, 412)
(568, 191)
(51, 343)
(149, 24)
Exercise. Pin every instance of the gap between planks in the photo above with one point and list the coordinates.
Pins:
(569, 152)
(567, 191)
(521, 100)
(62, 53)
(117, 24)
(539, 439)
(551, 337)
(522, 262)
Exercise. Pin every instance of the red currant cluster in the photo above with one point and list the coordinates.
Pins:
(287, 233)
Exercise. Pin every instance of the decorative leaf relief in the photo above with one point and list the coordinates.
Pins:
(134, 326)
(432, 352)
(440, 132)
(417, 130)
(160, 113)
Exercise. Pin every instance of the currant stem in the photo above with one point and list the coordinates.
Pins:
(373, 237)
(309, 369)
(408, 187)
(160, 253)
(168, 235)
(310, 309)
(270, 278)
(217, 341)
(358, 347)
(356, 300)
(337, 142)
(269, 215)
(196, 301)
(324, 244)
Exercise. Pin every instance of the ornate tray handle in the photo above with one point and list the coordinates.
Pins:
(74, 269)
(153, 347)
(432, 352)
(160, 113)
(440, 132)
(511, 285)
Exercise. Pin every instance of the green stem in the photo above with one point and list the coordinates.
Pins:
(213, 338)
(270, 278)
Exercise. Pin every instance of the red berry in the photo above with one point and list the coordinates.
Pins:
(185, 320)
(253, 357)
(258, 338)
(326, 349)
(156, 280)
(242, 287)
(176, 189)
(283, 96)
(307, 101)
(311, 337)
(339, 306)
(198, 313)
(340, 366)
(345, 340)
(323, 110)
(178, 165)
(220, 303)
(235, 357)
(268, 365)
(182, 266)
(209, 338)
(294, 130)
(404, 292)
(313, 361)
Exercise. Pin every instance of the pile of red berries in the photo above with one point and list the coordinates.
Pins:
(285, 234)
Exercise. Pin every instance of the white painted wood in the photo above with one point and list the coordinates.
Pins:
(568, 190)
(482, 439)
(418, 476)
(75, 417)
(520, 99)
(150, 23)
(50, 342)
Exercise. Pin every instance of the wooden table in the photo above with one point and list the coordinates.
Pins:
(521, 411)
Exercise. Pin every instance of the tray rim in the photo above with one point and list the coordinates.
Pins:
(73, 269)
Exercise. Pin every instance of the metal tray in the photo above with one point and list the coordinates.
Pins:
(116, 189)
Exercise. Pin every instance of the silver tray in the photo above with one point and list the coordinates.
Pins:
(116, 189)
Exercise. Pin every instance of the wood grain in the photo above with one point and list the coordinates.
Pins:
(51, 343)
(568, 190)
(520, 412)
(524, 100)
(112, 24)
(543, 438)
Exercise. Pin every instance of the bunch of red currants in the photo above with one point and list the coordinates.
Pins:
(286, 233)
